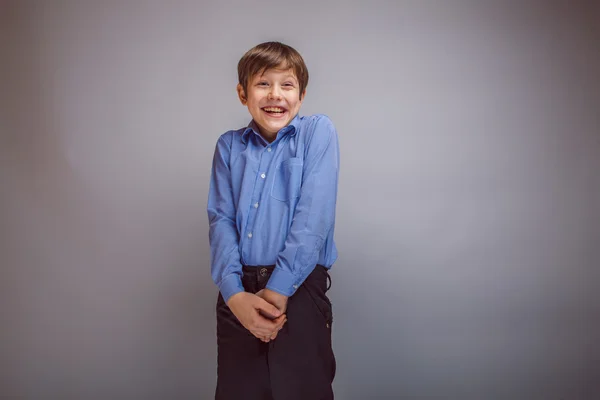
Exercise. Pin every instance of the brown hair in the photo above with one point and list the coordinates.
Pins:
(272, 55)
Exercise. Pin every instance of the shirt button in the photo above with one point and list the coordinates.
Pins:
(250, 235)
(255, 205)
(263, 176)
(295, 286)
(269, 149)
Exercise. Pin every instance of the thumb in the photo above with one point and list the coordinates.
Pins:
(267, 307)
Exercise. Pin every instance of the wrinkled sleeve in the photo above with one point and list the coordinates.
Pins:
(315, 212)
(226, 268)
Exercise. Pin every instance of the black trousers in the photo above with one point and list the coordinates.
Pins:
(298, 365)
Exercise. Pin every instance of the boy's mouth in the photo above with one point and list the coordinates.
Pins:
(274, 111)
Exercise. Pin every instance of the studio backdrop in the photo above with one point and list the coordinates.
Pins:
(468, 216)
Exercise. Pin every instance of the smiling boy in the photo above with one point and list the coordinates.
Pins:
(271, 210)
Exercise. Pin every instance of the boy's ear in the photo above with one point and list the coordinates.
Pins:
(303, 95)
(241, 94)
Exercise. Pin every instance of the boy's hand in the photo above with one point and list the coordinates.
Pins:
(248, 307)
(276, 299)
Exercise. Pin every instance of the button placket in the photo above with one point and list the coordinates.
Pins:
(265, 156)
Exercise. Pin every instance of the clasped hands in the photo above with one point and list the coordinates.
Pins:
(263, 313)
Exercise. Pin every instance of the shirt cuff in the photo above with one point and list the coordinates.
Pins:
(231, 285)
(283, 282)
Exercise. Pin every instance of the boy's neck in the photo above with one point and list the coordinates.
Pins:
(268, 138)
(271, 137)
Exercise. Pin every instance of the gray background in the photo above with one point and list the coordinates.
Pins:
(469, 200)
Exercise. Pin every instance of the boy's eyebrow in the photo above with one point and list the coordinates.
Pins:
(288, 76)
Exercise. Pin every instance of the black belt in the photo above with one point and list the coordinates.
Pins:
(263, 272)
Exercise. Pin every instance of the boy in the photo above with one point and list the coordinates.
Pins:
(271, 209)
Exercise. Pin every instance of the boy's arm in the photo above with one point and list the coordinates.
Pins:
(226, 268)
(315, 212)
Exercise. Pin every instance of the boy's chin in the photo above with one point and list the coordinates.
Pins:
(275, 127)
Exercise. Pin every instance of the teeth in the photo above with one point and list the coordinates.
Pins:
(273, 109)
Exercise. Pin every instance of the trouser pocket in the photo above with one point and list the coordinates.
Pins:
(317, 285)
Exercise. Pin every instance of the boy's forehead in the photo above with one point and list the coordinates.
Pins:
(279, 70)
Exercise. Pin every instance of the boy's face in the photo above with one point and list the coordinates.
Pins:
(273, 99)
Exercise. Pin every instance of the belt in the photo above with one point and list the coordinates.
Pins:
(261, 273)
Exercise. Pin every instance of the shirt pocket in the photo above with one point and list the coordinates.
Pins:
(287, 180)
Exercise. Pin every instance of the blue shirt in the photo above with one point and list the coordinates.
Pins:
(273, 203)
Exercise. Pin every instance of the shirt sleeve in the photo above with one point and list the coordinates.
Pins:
(314, 216)
(226, 267)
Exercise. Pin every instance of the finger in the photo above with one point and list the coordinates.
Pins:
(268, 316)
(275, 334)
(267, 332)
(280, 327)
(261, 323)
(265, 335)
(280, 318)
(260, 335)
(280, 321)
(266, 307)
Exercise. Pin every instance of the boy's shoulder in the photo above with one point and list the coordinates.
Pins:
(315, 118)
(314, 123)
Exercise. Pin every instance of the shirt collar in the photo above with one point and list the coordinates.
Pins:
(291, 128)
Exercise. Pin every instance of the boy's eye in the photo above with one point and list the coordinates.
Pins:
(288, 84)
(262, 83)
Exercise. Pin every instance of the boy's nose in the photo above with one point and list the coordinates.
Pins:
(275, 94)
